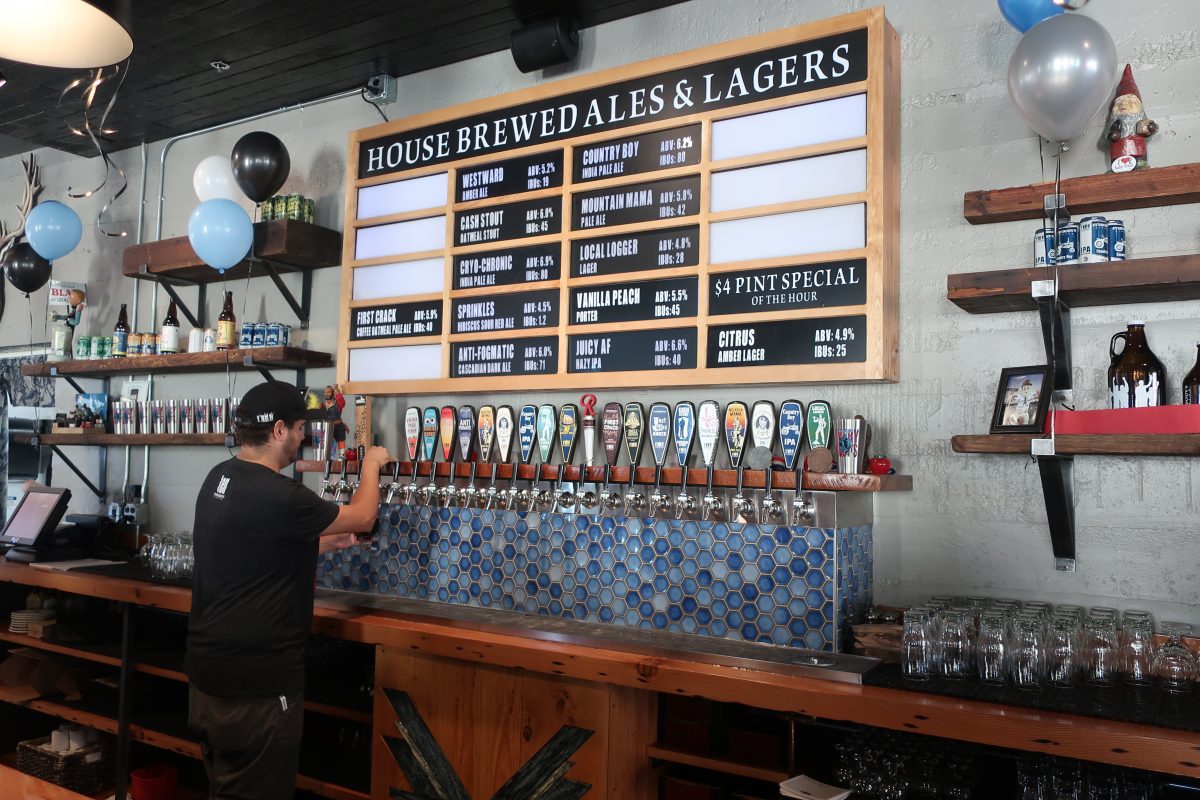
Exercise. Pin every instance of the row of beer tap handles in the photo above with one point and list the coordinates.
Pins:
(750, 435)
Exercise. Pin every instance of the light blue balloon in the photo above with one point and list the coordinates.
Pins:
(1024, 14)
(53, 230)
(221, 233)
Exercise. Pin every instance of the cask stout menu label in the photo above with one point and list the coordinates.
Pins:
(513, 176)
(634, 252)
(397, 320)
(537, 355)
(673, 298)
(837, 283)
(510, 221)
(830, 340)
(536, 262)
(635, 155)
(505, 312)
(639, 202)
(632, 351)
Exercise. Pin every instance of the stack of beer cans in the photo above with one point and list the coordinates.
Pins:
(1091, 240)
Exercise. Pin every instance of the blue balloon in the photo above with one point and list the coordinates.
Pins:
(53, 230)
(1024, 14)
(221, 233)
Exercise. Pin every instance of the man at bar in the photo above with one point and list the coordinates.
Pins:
(256, 537)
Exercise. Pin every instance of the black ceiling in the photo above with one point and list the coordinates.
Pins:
(281, 52)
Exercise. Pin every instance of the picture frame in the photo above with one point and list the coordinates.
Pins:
(1022, 399)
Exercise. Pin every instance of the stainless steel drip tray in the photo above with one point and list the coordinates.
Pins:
(687, 647)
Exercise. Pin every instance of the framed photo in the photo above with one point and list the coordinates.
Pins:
(1022, 400)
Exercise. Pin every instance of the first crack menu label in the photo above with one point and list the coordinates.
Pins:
(397, 321)
(831, 340)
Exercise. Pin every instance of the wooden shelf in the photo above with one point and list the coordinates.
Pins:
(133, 439)
(291, 246)
(1158, 186)
(1142, 280)
(726, 478)
(23, 785)
(176, 363)
(667, 753)
(1084, 444)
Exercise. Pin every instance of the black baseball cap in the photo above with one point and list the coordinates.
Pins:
(272, 401)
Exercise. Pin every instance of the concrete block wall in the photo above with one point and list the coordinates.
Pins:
(973, 524)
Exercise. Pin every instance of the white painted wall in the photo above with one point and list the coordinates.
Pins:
(973, 524)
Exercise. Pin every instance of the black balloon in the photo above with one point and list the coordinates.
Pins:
(260, 164)
(25, 269)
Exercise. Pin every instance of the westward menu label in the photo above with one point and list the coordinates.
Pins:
(632, 351)
(397, 320)
(534, 356)
(537, 262)
(513, 176)
(838, 283)
(632, 252)
(511, 221)
(634, 155)
(672, 298)
(505, 312)
(830, 340)
(639, 202)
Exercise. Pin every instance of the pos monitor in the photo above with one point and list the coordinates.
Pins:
(31, 527)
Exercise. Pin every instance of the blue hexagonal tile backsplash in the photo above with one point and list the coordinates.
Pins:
(800, 587)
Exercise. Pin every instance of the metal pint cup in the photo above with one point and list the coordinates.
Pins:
(187, 422)
(203, 415)
(158, 416)
(143, 417)
(174, 416)
(320, 439)
(851, 444)
(218, 420)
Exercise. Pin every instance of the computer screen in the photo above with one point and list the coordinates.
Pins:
(40, 509)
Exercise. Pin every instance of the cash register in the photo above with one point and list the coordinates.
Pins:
(33, 532)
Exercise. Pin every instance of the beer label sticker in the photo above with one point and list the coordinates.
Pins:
(466, 431)
(526, 431)
(611, 432)
(708, 430)
(504, 433)
(429, 432)
(546, 423)
(487, 431)
(737, 420)
(412, 431)
(820, 419)
(568, 428)
(684, 428)
(791, 431)
(660, 432)
(762, 424)
(635, 426)
(449, 419)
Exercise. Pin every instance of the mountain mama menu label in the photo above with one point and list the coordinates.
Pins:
(640, 202)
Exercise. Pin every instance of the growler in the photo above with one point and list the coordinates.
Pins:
(1191, 384)
(1136, 378)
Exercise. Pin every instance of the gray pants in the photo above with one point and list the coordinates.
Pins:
(251, 746)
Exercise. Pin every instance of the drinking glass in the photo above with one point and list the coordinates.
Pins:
(1137, 648)
(1062, 647)
(916, 645)
(991, 649)
(954, 644)
(1028, 653)
(1101, 649)
(1174, 666)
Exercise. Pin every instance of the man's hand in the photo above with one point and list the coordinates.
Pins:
(337, 541)
(376, 456)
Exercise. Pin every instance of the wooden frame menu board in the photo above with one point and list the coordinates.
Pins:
(728, 215)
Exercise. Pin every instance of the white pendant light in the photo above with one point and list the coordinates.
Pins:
(76, 34)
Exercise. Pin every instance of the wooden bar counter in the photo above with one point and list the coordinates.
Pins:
(492, 695)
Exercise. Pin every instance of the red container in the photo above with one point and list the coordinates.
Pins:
(1160, 419)
(153, 783)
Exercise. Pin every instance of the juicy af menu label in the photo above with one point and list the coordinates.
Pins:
(510, 221)
(534, 356)
(397, 320)
(512, 176)
(537, 262)
(672, 298)
(635, 155)
(633, 252)
(632, 351)
(505, 312)
(837, 283)
(831, 340)
(639, 202)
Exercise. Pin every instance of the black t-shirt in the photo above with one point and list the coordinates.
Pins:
(255, 541)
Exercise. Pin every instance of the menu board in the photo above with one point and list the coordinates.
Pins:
(725, 215)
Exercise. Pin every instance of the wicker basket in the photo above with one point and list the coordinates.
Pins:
(69, 770)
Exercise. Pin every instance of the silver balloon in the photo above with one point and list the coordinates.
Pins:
(1063, 71)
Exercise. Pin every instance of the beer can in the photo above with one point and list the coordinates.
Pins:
(149, 344)
(133, 346)
(273, 336)
(1116, 240)
(1093, 240)
(310, 208)
(83, 347)
(1066, 244)
(210, 340)
(143, 417)
(218, 419)
(279, 207)
(260, 335)
(187, 416)
(295, 207)
(285, 335)
(59, 343)
(266, 210)
(1043, 247)
(158, 416)
(195, 340)
(246, 335)
(203, 415)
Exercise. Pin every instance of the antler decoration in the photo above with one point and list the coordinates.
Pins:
(28, 198)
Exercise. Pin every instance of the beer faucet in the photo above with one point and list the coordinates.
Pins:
(744, 508)
(325, 484)
(447, 423)
(568, 429)
(342, 485)
(772, 509)
(488, 419)
(410, 491)
(588, 499)
(546, 421)
(395, 484)
(708, 430)
(611, 435)
(429, 436)
(737, 420)
(684, 426)
(526, 436)
(762, 433)
(635, 419)
(412, 440)
(660, 438)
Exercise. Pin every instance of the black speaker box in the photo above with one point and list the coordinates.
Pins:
(544, 44)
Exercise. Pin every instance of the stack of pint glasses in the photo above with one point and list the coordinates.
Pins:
(1090, 241)
(1032, 645)
(189, 415)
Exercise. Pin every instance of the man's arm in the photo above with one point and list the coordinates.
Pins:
(360, 514)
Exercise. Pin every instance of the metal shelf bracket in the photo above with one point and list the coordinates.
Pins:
(1056, 471)
(169, 283)
(301, 308)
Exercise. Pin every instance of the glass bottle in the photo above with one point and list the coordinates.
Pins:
(1191, 384)
(1136, 378)
(120, 345)
(226, 325)
(168, 338)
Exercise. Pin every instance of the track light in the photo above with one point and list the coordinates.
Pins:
(76, 34)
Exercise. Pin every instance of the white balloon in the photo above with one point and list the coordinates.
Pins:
(213, 180)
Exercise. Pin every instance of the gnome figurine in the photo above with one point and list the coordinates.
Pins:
(1128, 127)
